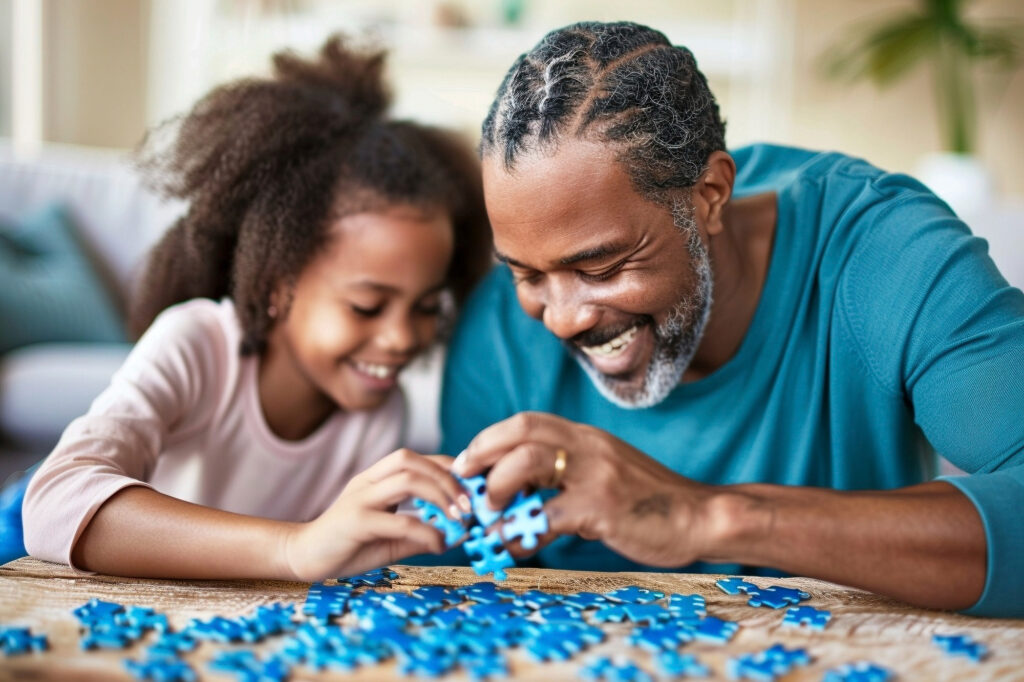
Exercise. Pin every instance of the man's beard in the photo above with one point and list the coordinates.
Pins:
(675, 340)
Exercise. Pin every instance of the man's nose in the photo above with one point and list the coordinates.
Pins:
(566, 312)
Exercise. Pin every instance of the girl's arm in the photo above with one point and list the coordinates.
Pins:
(139, 532)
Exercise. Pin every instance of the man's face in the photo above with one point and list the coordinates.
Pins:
(621, 280)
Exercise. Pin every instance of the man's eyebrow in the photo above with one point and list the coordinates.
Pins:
(593, 253)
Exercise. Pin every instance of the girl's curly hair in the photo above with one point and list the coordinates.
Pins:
(266, 165)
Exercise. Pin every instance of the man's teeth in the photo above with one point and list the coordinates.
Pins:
(613, 347)
(378, 371)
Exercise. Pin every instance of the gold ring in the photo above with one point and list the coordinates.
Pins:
(560, 459)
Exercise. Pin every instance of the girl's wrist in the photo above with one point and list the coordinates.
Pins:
(290, 553)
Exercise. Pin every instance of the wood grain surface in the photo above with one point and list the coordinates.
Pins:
(864, 626)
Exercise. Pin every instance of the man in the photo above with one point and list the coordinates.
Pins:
(746, 359)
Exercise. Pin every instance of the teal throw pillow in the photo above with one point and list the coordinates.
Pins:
(49, 289)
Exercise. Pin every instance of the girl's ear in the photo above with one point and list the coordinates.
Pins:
(280, 299)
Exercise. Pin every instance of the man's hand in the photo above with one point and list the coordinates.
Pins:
(611, 491)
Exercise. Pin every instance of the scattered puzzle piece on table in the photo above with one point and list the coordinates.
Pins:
(537, 599)
(767, 664)
(634, 595)
(585, 600)
(171, 644)
(806, 615)
(16, 640)
(378, 577)
(777, 597)
(248, 667)
(161, 669)
(860, 671)
(324, 601)
(660, 637)
(611, 614)
(619, 670)
(485, 666)
(96, 610)
(525, 519)
(734, 586)
(687, 607)
(676, 664)
(646, 613)
(485, 592)
(715, 630)
(490, 553)
(961, 645)
(438, 595)
(559, 612)
(453, 529)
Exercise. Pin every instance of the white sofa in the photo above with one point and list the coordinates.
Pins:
(45, 386)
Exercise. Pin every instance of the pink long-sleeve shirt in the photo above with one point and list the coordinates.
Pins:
(182, 416)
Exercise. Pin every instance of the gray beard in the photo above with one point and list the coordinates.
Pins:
(675, 340)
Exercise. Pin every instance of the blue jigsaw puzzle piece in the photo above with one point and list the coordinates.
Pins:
(585, 600)
(96, 610)
(220, 629)
(491, 555)
(485, 592)
(767, 664)
(716, 630)
(646, 613)
(777, 597)
(734, 586)
(611, 614)
(15, 641)
(525, 519)
(961, 645)
(247, 667)
(660, 637)
(476, 488)
(406, 605)
(171, 644)
(273, 619)
(559, 613)
(490, 613)
(634, 595)
(687, 607)
(378, 577)
(806, 615)
(324, 601)
(538, 599)
(453, 529)
(675, 664)
(161, 669)
(615, 671)
(438, 595)
(860, 671)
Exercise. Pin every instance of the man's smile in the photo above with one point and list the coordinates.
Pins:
(622, 355)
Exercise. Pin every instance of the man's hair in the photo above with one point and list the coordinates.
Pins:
(267, 164)
(621, 82)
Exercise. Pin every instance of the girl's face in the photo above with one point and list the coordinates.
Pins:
(361, 310)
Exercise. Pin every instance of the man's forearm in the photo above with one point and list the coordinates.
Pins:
(924, 544)
(139, 532)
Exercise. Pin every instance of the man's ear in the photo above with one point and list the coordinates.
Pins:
(713, 190)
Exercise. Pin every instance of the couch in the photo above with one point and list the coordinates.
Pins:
(46, 383)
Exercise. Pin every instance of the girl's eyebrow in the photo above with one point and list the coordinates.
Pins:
(391, 289)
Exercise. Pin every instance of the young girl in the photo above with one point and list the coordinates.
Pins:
(245, 436)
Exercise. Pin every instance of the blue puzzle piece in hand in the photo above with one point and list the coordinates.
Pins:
(476, 488)
(453, 529)
(777, 597)
(806, 615)
(489, 552)
(675, 664)
(14, 641)
(525, 519)
(736, 585)
(161, 669)
(961, 645)
(860, 671)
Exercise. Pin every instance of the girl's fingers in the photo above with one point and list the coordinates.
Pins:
(407, 534)
(402, 485)
(490, 444)
(432, 467)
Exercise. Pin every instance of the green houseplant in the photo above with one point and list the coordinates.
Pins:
(939, 33)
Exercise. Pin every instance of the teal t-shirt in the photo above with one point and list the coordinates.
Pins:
(884, 334)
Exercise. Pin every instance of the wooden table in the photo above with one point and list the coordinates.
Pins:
(863, 626)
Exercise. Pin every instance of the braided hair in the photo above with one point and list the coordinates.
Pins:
(267, 164)
(622, 82)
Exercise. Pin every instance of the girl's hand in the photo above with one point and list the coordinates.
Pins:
(361, 530)
(611, 491)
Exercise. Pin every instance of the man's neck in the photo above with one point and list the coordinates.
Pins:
(740, 256)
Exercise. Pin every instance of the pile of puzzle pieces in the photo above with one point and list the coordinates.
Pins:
(433, 630)
(523, 519)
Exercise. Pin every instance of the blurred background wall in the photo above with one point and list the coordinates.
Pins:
(111, 68)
